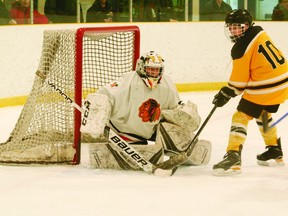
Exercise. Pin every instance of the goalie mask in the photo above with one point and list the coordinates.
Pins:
(150, 68)
(236, 24)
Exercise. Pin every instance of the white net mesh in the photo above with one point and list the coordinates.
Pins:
(47, 130)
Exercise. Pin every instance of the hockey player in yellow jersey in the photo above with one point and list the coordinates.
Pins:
(260, 75)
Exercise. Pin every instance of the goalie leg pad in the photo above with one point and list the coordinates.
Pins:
(173, 138)
(106, 156)
(176, 139)
(201, 154)
(102, 156)
(96, 114)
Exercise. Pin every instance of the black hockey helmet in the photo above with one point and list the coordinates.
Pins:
(236, 24)
(239, 16)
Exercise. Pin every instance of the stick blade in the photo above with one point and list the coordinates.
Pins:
(169, 167)
(163, 173)
(174, 161)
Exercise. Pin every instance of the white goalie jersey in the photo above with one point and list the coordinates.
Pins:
(136, 109)
(134, 112)
(141, 106)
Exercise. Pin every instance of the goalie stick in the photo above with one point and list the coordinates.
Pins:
(52, 85)
(115, 139)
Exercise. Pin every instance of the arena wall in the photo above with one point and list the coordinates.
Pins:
(197, 54)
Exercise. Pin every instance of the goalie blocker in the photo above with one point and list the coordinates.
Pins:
(172, 137)
(96, 114)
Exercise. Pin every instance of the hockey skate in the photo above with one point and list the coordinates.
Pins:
(273, 156)
(230, 165)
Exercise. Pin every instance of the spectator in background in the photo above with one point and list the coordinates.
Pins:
(4, 14)
(61, 11)
(280, 11)
(215, 10)
(20, 13)
(116, 7)
(101, 11)
(159, 11)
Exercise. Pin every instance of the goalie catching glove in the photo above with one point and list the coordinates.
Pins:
(223, 96)
(96, 114)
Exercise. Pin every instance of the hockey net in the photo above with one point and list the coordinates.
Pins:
(74, 64)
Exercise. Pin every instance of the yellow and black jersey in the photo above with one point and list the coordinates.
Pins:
(260, 70)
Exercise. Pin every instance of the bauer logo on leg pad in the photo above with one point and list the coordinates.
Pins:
(133, 155)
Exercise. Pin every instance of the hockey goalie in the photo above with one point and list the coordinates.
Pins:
(145, 110)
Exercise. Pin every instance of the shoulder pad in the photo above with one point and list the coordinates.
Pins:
(241, 45)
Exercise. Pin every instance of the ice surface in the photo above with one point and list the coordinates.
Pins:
(194, 191)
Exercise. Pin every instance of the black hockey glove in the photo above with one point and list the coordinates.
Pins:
(223, 96)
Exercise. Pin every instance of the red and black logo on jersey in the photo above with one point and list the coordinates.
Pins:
(114, 84)
(150, 111)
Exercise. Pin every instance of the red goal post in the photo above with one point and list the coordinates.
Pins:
(79, 66)
(74, 63)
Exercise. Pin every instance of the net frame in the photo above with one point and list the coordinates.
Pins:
(79, 71)
(72, 86)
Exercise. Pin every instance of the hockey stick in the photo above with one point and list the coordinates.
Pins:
(52, 85)
(195, 139)
(114, 138)
(264, 117)
(135, 156)
(175, 161)
(276, 122)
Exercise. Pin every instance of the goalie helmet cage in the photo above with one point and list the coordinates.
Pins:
(74, 64)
